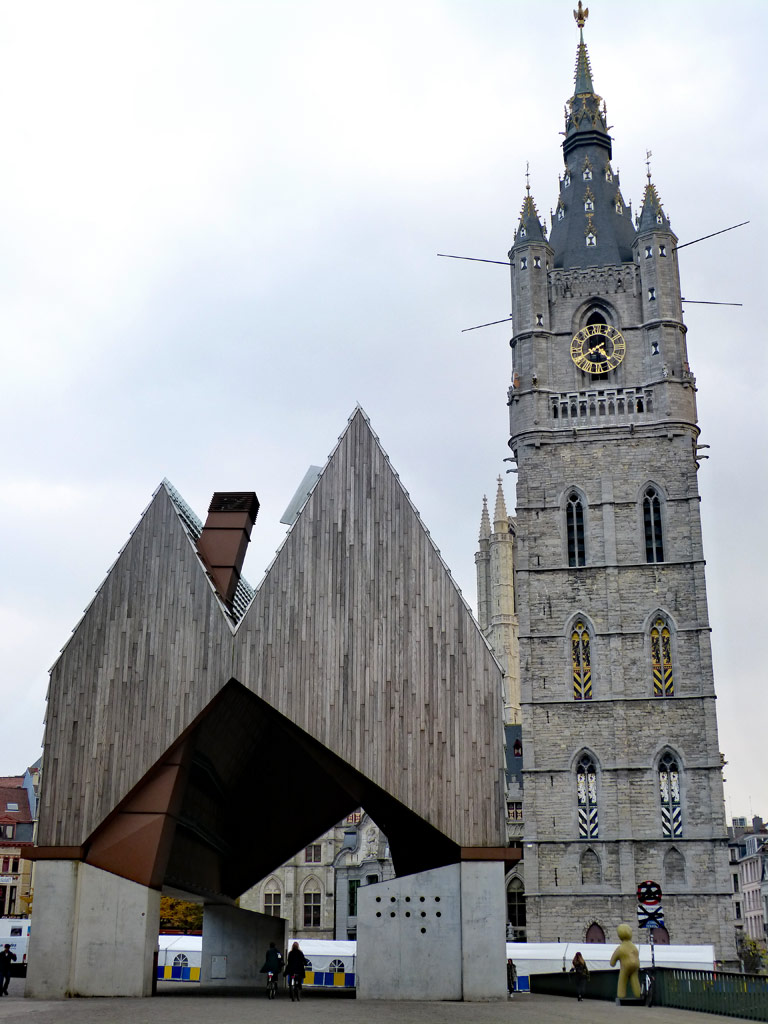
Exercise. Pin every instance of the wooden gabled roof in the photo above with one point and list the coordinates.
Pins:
(357, 639)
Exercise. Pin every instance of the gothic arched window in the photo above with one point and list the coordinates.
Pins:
(516, 905)
(595, 934)
(654, 541)
(669, 795)
(312, 903)
(581, 659)
(674, 868)
(591, 869)
(586, 790)
(661, 659)
(574, 524)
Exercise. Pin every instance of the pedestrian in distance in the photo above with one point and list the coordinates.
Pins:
(581, 973)
(511, 977)
(6, 956)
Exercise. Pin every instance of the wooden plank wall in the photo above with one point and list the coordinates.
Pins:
(358, 635)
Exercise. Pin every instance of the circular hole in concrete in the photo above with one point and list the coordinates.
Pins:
(423, 931)
(393, 914)
(407, 913)
(378, 899)
(407, 899)
(423, 913)
(421, 899)
(437, 899)
(378, 913)
(392, 899)
(438, 914)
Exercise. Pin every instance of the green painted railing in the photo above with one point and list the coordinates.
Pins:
(732, 995)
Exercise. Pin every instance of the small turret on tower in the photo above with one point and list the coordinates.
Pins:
(530, 258)
(656, 255)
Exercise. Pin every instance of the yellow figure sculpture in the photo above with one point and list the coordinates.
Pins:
(628, 956)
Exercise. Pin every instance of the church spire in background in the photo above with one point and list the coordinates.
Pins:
(500, 517)
(485, 522)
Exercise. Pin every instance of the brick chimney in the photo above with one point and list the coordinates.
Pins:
(224, 540)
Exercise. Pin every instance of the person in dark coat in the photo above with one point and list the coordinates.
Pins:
(579, 968)
(6, 956)
(273, 961)
(296, 963)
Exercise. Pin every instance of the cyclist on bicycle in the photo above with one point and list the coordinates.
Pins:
(295, 966)
(273, 962)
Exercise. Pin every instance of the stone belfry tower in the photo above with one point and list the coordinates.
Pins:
(621, 763)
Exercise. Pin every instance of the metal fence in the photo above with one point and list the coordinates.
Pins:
(731, 995)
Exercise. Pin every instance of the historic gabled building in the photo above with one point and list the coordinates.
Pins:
(621, 763)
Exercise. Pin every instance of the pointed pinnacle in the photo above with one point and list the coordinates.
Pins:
(485, 522)
(500, 517)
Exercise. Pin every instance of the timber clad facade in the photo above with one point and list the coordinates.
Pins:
(357, 654)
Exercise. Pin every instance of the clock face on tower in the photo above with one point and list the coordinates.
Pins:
(598, 348)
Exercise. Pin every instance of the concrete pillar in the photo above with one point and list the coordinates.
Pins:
(437, 934)
(235, 943)
(93, 934)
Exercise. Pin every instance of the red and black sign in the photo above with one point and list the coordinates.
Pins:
(649, 910)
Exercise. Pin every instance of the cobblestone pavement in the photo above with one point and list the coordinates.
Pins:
(193, 1005)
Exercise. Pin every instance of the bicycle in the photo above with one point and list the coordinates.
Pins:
(294, 986)
(271, 985)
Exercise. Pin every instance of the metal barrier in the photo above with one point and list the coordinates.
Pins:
(732, 995)
(600, 985)
(728, 994)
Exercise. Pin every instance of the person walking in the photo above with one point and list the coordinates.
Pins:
(579, 968)
(511, 977)
(6, 956)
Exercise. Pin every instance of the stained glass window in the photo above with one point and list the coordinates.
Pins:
(661, 660)
(654, 542)
(574, 517)
(582, 663)
(586, 789)
(669, 793)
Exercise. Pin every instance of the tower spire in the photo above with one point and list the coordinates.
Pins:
(485, 522)
(500, 517)
(585, 115)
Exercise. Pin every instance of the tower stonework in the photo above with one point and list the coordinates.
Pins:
(497, 616)
(621, 764)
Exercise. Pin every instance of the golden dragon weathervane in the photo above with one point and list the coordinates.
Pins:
(581, 15)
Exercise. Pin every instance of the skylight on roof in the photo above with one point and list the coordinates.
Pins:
(11, 807)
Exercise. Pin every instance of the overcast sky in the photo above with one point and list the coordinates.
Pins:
(219, 227)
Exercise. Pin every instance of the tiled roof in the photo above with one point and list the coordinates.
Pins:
(13, 795)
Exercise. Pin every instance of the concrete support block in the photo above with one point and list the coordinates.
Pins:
(483, 931)
(434, 935)
(51, 936)
(94, 934)
(235, 943)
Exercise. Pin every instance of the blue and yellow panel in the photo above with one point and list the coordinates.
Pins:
(330, 979)
(170, 973)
